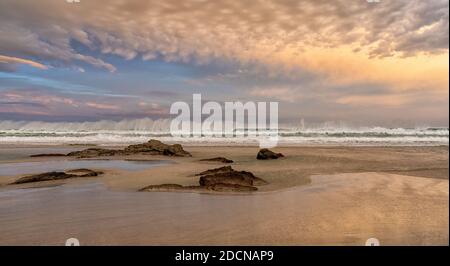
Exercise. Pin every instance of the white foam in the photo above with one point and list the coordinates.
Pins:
(140, 130)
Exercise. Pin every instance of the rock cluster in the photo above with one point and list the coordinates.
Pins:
(153, 147)
(57, 176)
(223, 179)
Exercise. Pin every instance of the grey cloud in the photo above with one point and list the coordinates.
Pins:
(31, 104)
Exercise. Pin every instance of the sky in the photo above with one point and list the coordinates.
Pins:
(374, 63)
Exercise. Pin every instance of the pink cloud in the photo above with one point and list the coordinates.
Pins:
(102, 106)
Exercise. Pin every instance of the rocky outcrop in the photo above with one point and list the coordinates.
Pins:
(227, 174)
(157, 147)
(241, 178)
(266, 154)
(153, 147)
(57, 176)
(217, 159)
(222, 179)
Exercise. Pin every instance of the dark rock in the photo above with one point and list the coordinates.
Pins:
(256, 180)
(227, 175)
(83, 172)
(157, 147)
(224, 169)
(223, 179)
(235, 178)
(57, 176)
(95, 152)
(216, 187)
(231, 188)
(48, 155)
(218, 159)
(162, 187)
(241, 178)
(153, 147)
(43, 177)
(266, 154)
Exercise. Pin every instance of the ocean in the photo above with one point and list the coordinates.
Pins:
(141, 130)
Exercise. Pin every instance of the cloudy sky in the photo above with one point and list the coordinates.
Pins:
(380, 63)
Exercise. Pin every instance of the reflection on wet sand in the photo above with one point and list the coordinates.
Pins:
(334, 209)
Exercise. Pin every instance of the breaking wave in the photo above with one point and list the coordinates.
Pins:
(107, 132)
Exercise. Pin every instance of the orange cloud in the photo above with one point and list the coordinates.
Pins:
(102, 106)
(15, 60)
(245, 31)
(343, 66)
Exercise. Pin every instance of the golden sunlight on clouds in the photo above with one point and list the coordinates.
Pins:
(391, 53)
(341, 65)
(102, 106)
(375, 100)
(15, 60)
(322, 35)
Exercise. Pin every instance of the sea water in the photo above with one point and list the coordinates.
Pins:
(141, 130)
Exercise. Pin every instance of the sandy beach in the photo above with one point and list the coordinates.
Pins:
(314, 196)
(265, 122)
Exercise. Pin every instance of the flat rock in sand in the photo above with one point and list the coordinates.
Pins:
(217, 159)
(47, 155)
(49, 176)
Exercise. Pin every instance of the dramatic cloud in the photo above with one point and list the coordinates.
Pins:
(323, 58)
(236, 30)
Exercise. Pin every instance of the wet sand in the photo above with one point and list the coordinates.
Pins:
(316, 195)
(344, 209)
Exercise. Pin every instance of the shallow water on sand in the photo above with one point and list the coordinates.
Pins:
(9, 153)
(12, 169)
(339, 209)
(8, 168)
